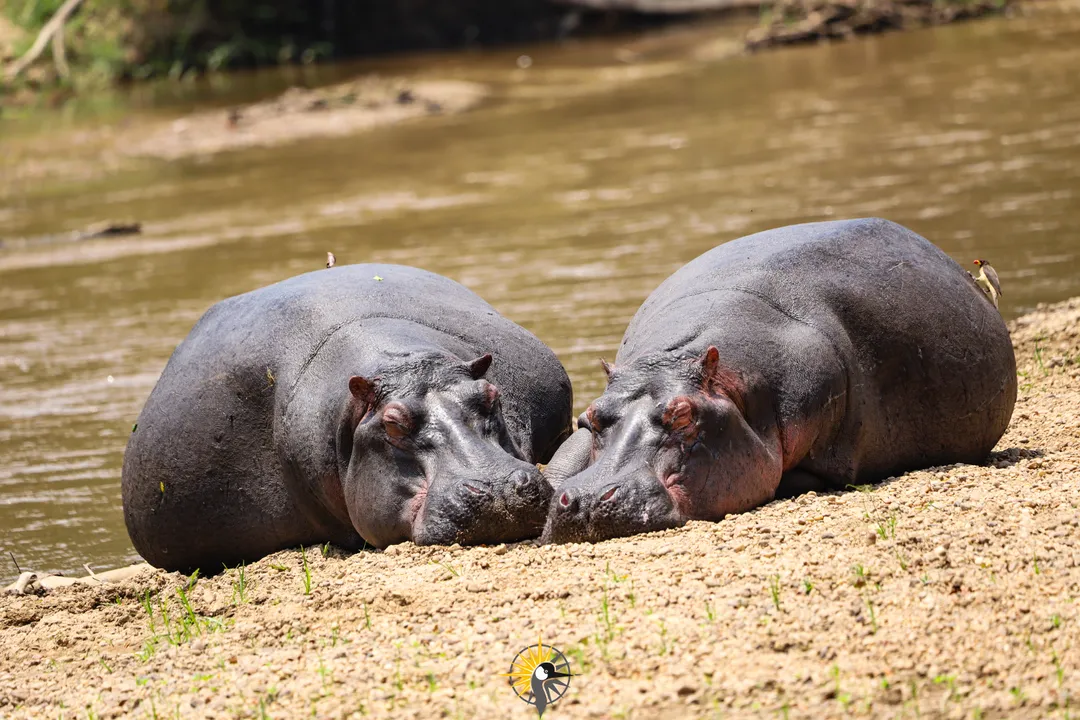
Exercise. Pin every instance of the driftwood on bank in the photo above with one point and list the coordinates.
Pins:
(59, 52)
(790, 22)
(794, 22)
(32, 582)
(54, 31)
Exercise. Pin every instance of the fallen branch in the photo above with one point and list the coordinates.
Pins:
(26, 581)
(55, 24)
(92, 575)
(35, 582)
(59, 53)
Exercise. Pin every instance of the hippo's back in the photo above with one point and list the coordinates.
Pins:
(929, 362)
(259, 342)
(282, 326)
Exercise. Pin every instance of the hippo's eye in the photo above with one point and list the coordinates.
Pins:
(491, 397)
(679, 416)
(397, 421)
(589, 421)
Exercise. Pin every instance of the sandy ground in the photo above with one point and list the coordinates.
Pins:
(943, 593)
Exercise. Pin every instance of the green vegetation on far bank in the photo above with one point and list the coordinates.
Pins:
(104, 41)
(109, 40)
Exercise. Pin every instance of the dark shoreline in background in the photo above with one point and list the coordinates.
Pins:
(113, 45)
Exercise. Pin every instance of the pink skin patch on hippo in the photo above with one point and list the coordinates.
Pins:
(416, 505)
(795, 443)
(680, 419)
(678, 494)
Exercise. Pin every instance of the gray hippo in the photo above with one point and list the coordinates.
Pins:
(805, 357)
(364, 404)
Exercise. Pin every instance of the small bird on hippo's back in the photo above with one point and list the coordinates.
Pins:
(987, 279)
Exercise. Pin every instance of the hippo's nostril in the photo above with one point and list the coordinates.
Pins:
(609, 494)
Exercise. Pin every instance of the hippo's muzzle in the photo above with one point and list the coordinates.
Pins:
(472, 511)
(594, 506)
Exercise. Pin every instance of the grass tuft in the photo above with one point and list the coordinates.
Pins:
(774, 591)
(175, 628)
(307, 571)
(239, 585)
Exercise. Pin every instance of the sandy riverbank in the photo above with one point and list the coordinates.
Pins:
(363, 104)
(943, 593)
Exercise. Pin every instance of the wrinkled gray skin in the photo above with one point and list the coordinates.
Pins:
(336, 407)
(805, 357)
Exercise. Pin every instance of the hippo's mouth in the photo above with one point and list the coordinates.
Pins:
(644, 522)
(446, 519)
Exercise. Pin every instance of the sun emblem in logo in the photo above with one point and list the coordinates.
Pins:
(539, 675)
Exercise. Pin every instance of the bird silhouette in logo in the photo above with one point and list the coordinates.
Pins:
(540, 675)
(543, 673)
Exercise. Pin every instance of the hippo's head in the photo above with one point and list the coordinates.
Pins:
(669, 444)
(431, 459)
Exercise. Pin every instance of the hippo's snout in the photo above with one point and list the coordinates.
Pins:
(570, 500)
(529, 485)
(508, 507)
(528, 492)
(587, 509)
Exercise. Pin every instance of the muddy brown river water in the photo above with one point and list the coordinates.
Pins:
(564, 199)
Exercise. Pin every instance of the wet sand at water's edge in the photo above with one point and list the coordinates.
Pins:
(942, 593)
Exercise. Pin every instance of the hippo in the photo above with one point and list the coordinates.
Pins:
(363, 405)
(809, 357)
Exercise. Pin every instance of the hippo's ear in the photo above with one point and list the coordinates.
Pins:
(365, 394)
(362, 388)
(479, 367)
(710, 361)
(718, 380)
(608, 367)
